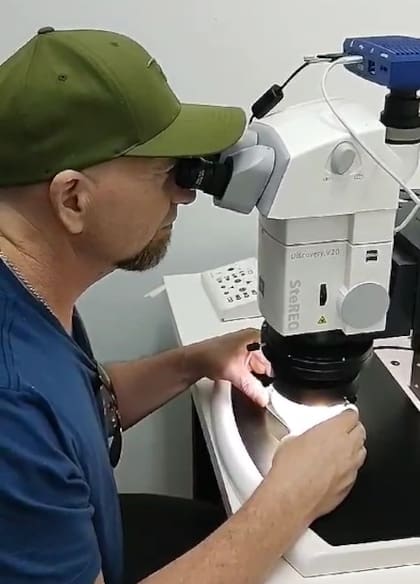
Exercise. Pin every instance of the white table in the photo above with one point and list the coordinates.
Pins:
(195, 320)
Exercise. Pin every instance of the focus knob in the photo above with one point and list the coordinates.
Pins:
(342, 158)
(364, 305)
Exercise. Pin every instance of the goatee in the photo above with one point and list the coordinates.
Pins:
(148, 258)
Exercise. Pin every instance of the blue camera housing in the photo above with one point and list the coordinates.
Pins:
(390, 61)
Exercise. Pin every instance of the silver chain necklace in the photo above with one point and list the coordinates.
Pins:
(16, 271)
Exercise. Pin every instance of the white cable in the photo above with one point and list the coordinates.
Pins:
(379, 162)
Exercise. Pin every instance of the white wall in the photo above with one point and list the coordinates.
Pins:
(213, 51)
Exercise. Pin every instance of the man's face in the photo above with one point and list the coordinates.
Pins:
(134, 207)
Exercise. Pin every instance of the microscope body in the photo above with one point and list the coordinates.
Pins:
(326, 223)
(330, 280)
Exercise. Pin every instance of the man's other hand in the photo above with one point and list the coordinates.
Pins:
(228, 358)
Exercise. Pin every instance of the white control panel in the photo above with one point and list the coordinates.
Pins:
(232, 290)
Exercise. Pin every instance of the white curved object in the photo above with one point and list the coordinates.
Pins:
(299, 418)
(311, 555)
(243, 473)
(241, 469)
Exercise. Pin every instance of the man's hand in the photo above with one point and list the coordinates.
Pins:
(322, 464)
(227, 358)
(146, 384)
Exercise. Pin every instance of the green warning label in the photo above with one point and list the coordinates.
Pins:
(322, 320)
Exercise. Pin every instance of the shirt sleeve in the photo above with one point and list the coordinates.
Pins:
(46, 529)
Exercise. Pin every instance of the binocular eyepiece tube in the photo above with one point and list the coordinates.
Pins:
(205, 174)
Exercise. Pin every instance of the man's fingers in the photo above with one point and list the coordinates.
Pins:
(346, 491)
(347, 420)
(254, 389)
(358, 434)
(249, 335)
(361, 457)
(260, 364)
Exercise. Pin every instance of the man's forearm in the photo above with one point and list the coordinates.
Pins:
(144, 385)
(247, 547)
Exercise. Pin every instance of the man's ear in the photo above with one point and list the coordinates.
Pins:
(70, 196)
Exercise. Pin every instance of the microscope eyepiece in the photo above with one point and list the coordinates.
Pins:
(205, 174)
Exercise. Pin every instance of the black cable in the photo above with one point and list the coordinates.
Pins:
(293, 75)
(272, 96)
(331, 56)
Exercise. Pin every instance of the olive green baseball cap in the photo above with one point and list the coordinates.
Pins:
(75, 98)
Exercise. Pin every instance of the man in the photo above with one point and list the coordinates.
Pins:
(90, 131)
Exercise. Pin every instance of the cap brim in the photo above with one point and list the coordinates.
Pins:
(198, 130)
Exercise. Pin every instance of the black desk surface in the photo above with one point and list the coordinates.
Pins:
(385, 501)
